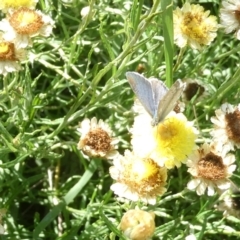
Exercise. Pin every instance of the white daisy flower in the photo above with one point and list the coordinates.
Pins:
(230, 16)
(96, 139)
(23, 24)
(210, 169)
(138, 178)
(193, 26)
(138, 224)
(10, 57)
(168, 143)
(227, 126)
(6, 5)
(230, 203)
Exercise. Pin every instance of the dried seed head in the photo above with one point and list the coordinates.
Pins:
(233, 125)
(192, 89)
(211, 167)
(98, 139)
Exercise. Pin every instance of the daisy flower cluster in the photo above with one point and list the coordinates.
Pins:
(21, 24)
(136, 177)
(141, 172)
(211, 164)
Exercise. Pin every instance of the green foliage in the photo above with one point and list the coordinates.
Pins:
(49, 189)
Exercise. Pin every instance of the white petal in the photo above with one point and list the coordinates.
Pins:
(210, 191)
(231, 169)
(193, 184)
(201, 188)
(224, 185)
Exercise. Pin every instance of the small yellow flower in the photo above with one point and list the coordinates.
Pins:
(193, 26)
(138, 178)
(23, 24)
(10, 57)
(138, 224)
(227, 126)
(96, 139)
(210, 169)
(5, 5)
(168, 144)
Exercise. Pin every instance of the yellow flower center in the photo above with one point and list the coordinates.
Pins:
(145, 177)
(16, 3)
(26, 21)
(167, 131)
(144, 169)
(175, 140)
(7, 52)
(194, 27)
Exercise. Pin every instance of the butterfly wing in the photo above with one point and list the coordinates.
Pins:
(168, 101)
(159, 90)
(143, 90)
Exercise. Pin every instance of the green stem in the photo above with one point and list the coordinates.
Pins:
(179, 59)
(142, 26)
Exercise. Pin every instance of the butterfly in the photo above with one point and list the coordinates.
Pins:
(155, 97)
